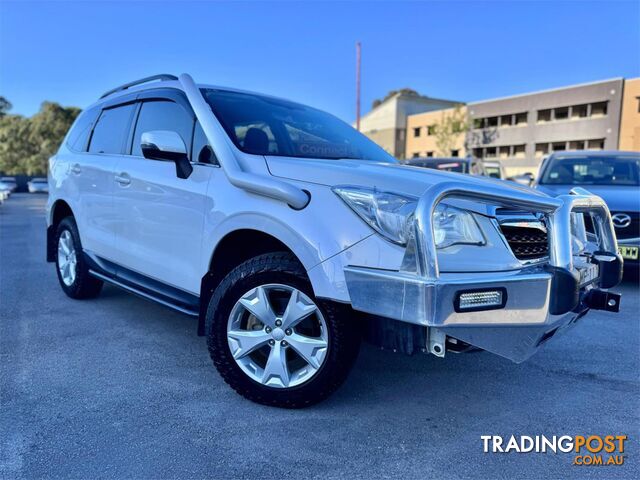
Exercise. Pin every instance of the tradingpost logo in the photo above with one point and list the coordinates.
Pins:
(587, 450)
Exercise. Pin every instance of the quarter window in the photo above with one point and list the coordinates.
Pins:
(111, 131)
(79, 135)
(162, 115)
(202, 151)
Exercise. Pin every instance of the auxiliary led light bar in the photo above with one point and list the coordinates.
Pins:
(478, 300)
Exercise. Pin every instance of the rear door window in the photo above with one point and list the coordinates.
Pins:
(111, 131)
(163, 115)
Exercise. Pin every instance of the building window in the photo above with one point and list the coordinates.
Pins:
(576, 145)
(519, 151)
(597, 144)
(505, 120)
(542, 149)
(504, 151)
(599, 109)
(558, 146)
(431, 129)
(579, 111)
(490, 152)
(544, 115)
(479, 122)
(429, 154)
(415, 155)
(521, 118)
(455, 153)
(477, 152)
(638, 98)
(416, 131)
(492, 122)
(561, 113)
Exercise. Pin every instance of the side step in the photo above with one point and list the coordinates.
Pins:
(146, 294)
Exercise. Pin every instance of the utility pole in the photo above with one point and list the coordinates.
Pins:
(358, 86)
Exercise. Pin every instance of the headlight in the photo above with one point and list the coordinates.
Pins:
(452, 226)
(389, 214)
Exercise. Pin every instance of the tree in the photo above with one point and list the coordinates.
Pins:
(452, 127)
(5, 106)
(402, 91)
(27, 143)
(48, 128)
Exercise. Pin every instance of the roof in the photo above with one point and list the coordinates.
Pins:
(114, 94)
(548, 90)
(418, 98)
(595, 153)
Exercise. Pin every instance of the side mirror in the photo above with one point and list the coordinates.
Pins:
(167, 146)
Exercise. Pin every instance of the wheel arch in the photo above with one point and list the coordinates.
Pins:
(234, 248)
(59, 210)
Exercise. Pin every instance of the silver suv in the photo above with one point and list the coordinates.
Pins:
(290, 236)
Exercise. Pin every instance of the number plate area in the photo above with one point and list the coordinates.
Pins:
(589, 273)
(628, 253)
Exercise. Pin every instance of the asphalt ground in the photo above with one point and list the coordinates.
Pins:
(119, 387)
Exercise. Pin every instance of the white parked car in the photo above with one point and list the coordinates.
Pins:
(288, 234)
(38, 185)
(10, 182)
(5, 191)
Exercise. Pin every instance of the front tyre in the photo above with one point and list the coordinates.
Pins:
(73, 272)
(272, 341)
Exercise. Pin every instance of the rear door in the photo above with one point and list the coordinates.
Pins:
(94, 173)
(161, 216)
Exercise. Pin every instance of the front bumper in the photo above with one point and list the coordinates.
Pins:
(538, 301)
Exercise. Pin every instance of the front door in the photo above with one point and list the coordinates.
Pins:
(161, 216)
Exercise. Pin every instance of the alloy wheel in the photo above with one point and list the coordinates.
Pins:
(67, 260)
(277, 336)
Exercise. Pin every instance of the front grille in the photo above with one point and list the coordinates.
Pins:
(630, 231)
(527, 243)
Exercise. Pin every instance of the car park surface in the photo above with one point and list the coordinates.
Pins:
(120, 387)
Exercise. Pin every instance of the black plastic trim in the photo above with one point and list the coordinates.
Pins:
(610, 271)
(51, 243)
(143, 285)
(565, 290)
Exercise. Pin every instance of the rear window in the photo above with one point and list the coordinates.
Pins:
(112, 130)
(593, 170)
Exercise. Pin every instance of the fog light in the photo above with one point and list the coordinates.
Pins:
(477, 300)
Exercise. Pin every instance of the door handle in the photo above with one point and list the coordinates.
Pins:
(75, 168)
(123, 179)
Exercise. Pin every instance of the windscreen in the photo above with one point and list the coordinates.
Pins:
(593, 170)
(267, 126)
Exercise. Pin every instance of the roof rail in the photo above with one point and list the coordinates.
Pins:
(162, 76)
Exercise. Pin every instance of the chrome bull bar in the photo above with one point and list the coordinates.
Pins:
(539, 299)
(558, 211)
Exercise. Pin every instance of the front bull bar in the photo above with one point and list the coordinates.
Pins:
(541, 298)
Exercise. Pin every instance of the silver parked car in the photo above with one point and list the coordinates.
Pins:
(612, 175)
(38, 185)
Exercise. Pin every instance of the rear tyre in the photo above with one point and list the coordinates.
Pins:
(272, 341)
(73, 272)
